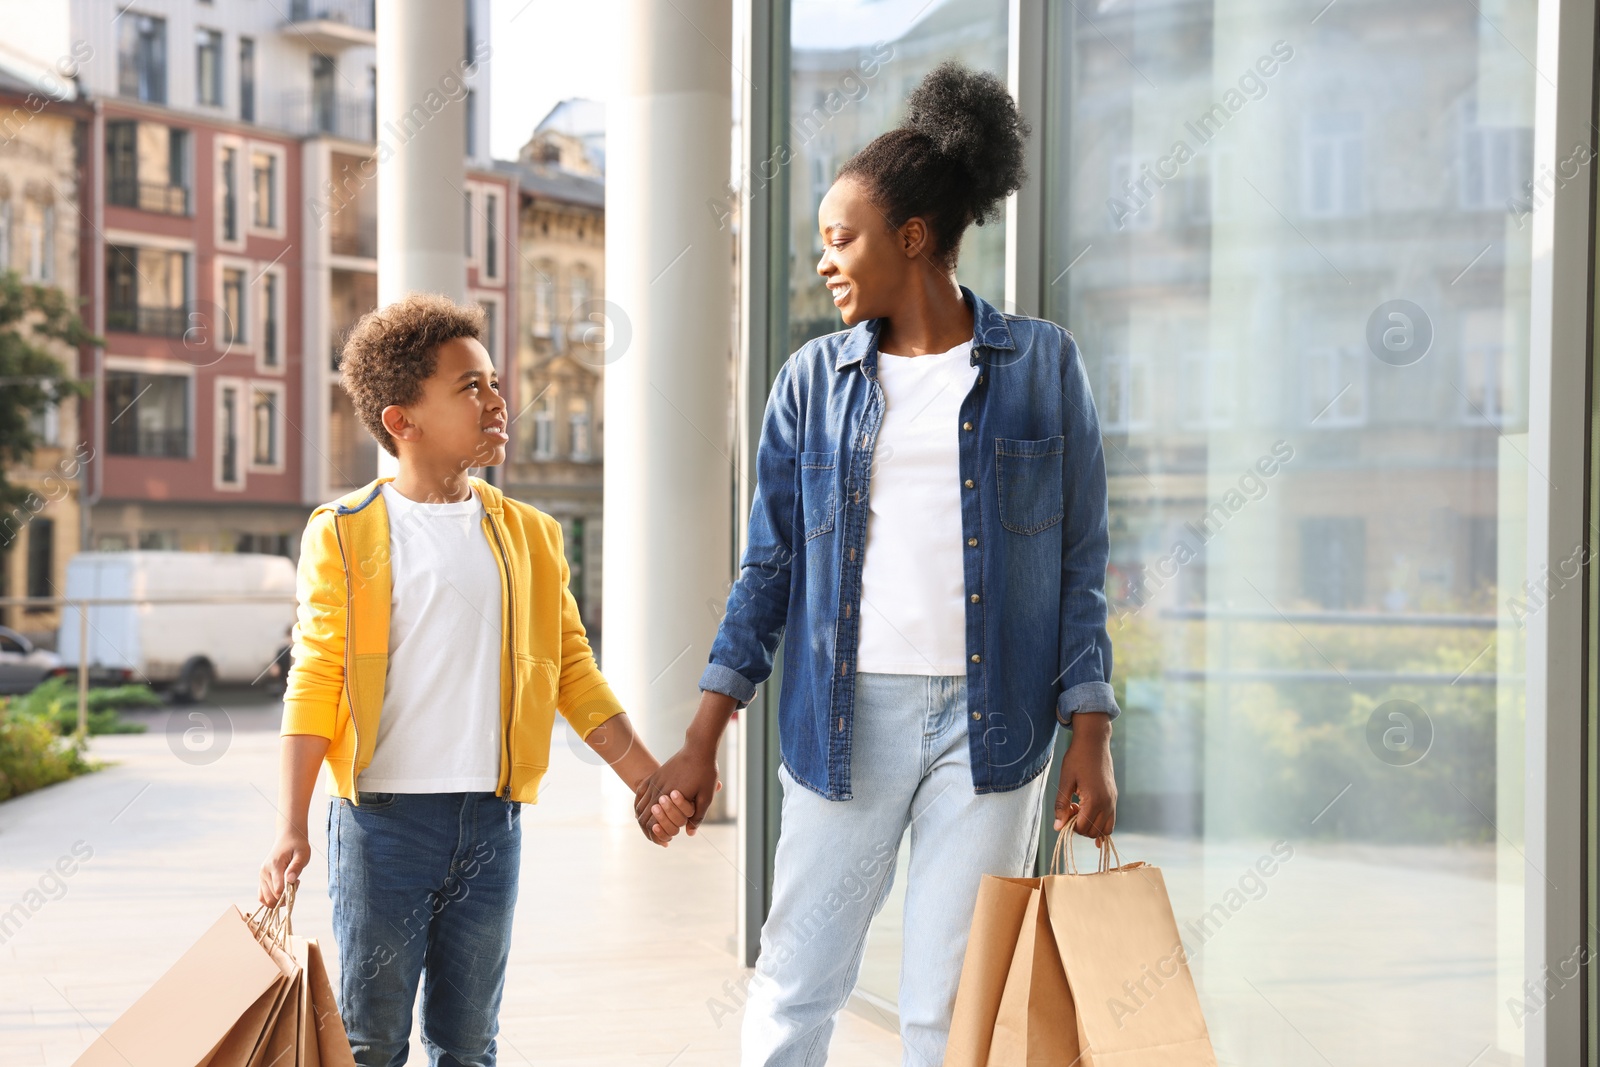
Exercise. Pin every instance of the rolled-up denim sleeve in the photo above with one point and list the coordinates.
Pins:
(753, 622)
(1085, 657)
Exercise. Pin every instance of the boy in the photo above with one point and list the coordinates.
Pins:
(435, 638)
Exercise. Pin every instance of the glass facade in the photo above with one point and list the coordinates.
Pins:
(1294, 246)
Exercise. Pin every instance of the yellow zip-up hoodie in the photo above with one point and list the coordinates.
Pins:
(341, 638)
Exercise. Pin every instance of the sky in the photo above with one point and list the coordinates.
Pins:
(544, 52)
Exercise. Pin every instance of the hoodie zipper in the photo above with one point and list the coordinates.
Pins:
(355, 757)
(511, 639)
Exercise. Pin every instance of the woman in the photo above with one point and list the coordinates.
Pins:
(929, 530)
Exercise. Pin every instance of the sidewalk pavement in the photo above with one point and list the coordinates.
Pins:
(621, 953)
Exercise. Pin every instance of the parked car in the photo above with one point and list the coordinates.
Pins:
(22, 665)
(180, 649)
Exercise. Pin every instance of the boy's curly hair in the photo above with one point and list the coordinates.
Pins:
(391, 351)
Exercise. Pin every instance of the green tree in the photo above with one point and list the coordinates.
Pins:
(33, 377)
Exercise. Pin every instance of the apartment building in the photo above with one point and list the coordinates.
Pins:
(41, 125)
(233, 160)
(554, 461)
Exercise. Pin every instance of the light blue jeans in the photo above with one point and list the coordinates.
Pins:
(423, 883)
(910, 768)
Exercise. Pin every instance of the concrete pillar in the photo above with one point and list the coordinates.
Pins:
(668, 393)
(422, 137)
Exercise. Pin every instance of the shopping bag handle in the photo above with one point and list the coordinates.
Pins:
(274, 922)
(1063, 861)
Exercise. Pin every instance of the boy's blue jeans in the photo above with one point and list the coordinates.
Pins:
(423, 882)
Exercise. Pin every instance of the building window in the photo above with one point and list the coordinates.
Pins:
(147, 290)
(1335, 387)
(1332, 167)
(1333, 561)
(1207, 390)
(235, 326)
(324, 106)
(228, 201)
(147, 414)
(264, 428)
(41, 236)
(1486, 392)
(491, 235)
(208, 67)
(228, 472)
(247, 79)
(544, 430)
(544, 301)
(142, 58)
(491, 330)
(147, 167)
(472, 124)
(270, 356)
(578, 428)
(1496, 163)
(264, 186)
(41, 558)
(466, 198)
(1124, 396)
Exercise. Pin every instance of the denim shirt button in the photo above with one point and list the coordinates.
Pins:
(973, 541)
(969, 483)
(977, 715)
(974, 598)
(966, 425)
(975, 657)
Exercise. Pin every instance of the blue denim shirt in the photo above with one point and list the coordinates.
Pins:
(1033, 519)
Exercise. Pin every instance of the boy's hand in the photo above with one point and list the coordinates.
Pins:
(665, 816)
(691, 774)
(288, 858)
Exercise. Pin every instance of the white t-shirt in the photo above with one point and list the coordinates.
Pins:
(913, 591)
(439, 731)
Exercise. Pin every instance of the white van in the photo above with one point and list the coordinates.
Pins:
(180, 649)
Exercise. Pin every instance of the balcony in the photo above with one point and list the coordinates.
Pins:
(152, 321)
(332, 25)
(335, 114)
(158, 197)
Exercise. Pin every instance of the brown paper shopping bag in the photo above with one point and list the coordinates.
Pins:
(225, 981)
(1133, 996)
(1013, 1007)
(333, 1043)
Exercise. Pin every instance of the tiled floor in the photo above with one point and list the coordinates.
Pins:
(621, 955)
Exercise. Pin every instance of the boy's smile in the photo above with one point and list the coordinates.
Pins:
(459, 423)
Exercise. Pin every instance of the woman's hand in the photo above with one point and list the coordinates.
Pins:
(1086, 771)
(691, 774)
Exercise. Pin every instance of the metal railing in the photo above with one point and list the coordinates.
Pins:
(158, 197)
(159, 322)
(83, 603)
(337, 114)
(357, 13)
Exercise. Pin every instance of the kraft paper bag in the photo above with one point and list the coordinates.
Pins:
(1013, 1006)
(333, 1043)
(1135, 1000)
(184, 1018)
(239, 1047)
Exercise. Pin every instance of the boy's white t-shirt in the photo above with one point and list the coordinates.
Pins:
(913, 588)
(440, 730)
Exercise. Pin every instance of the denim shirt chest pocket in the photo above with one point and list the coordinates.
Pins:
(1028, 477)
(818, 492)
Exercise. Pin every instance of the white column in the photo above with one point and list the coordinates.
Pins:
(668, 392)
(422, 137)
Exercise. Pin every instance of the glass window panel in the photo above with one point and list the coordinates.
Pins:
(1300, 262)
